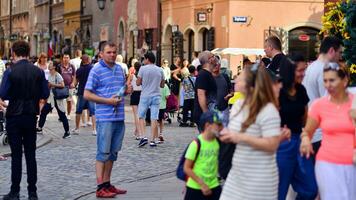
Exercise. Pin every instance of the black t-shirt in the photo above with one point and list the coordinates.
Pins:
(292, 108)
(204, 81)
(82, 77)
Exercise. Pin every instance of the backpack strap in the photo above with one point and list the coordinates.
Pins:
(197, 140)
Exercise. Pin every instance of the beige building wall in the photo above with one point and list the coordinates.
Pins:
(283, 14)
(262, 15)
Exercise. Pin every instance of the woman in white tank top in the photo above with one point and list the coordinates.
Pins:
(135, 98)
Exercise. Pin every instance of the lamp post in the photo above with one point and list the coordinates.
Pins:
(101, 4)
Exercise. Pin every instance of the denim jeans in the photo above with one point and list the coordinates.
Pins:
(109, 140)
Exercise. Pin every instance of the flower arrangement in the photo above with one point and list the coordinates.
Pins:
(340, 21)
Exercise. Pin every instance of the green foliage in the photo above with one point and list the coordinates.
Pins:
(340, 21)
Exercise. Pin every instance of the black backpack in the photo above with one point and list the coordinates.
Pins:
(180, 169)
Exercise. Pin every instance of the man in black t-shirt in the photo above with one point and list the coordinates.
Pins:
(273, 50)
(205, 86)
(80, 79)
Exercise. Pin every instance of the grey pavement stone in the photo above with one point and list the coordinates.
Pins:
(66, 168)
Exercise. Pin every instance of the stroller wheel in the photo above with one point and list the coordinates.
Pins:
(4, 138)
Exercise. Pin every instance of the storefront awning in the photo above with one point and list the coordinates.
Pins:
(238, 51)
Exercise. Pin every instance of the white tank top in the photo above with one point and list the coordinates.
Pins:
(133, 83)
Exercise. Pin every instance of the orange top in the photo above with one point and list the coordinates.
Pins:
(338, 131)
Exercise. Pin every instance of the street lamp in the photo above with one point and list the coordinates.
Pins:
(101, 4)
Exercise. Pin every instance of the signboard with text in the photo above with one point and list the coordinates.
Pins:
(239, 19)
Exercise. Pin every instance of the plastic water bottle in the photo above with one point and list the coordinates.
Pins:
(121, 93)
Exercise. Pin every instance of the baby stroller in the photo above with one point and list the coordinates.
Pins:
(3, 134)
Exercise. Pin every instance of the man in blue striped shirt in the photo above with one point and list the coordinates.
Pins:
(105, 81)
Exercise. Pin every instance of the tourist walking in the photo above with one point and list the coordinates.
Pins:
(166, 71)
(106, 79)
(68, 74)
(334, 169)
(273, 50)
(23, 85)
(81, 78)
(255, 129)
(293, 169)
(205, 86)
(189, 94)
(330, 52)
(55, 81)
(43, 64)
(201, 162)
(135, 99)
(151, 78)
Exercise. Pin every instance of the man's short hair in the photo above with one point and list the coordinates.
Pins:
(85, 58)
(21, 48)
(275, 42)
(204, 57)
(150, 56)
(105, 44)
(195, 54)
(330, 42)
(78, 53)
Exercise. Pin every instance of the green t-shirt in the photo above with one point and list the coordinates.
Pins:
(164, 94)
(206, 165)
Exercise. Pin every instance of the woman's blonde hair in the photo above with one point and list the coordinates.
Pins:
(259, 92)
(42, 55)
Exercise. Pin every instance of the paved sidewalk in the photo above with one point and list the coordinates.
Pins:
(165, 187)
(66, 167)
(41, 141)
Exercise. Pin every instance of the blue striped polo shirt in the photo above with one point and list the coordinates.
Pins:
(105, 81)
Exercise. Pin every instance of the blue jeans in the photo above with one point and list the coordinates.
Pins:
(85, 104)
(109, 140)
(296, 170)
(149, 102)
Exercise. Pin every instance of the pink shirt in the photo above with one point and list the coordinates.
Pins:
(338, 131)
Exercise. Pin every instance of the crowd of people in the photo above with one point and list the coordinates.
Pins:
(283, 128)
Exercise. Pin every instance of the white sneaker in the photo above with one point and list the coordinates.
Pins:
(84, 125)
(68, 117)
(94, 133)
(89, 123)
(75, 131)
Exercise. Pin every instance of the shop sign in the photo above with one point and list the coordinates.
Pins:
(239, 19)
(304, 37)
(202, 17)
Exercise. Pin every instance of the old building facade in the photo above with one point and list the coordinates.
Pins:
(97, 24)
(137, 27)
(14, 23)
(207, 24)
(71, 17)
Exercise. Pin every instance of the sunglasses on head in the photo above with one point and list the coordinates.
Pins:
(332, 66)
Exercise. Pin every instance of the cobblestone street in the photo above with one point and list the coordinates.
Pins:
(66, 167)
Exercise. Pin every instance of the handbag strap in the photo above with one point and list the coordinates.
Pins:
(191, 81)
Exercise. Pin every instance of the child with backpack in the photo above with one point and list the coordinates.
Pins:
(201, 161)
